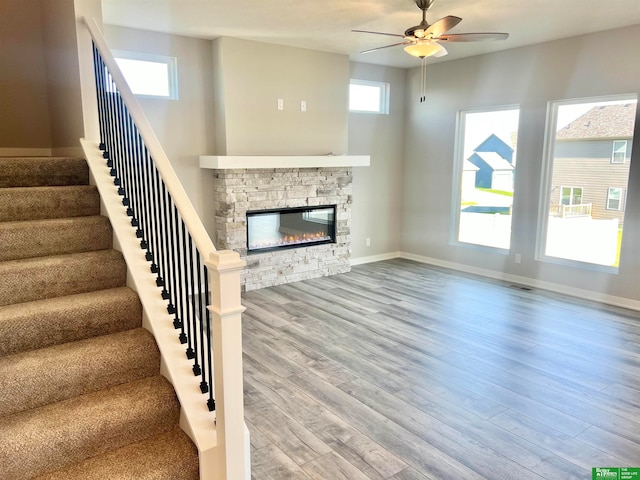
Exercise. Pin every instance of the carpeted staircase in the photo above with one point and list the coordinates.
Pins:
(81, 395)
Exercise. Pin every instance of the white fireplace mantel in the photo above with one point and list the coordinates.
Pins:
(226, 162)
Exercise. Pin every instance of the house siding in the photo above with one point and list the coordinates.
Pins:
(587, 164)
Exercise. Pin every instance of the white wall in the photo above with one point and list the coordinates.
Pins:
(251, 76)
(591, 65)
(185, 126)
(377, 190)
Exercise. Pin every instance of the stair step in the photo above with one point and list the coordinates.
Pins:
(48, 375)
(169, 455)
(42, 171)
(60, 434)
(42, 323)
(38, 203)
(60, 275)
(40, 238)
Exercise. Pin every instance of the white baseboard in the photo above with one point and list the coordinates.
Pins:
(374, 258)
(25, 152)
(529, 282)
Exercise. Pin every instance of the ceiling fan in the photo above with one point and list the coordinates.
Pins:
(423, 40)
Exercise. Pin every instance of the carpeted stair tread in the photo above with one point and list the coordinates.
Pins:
(42, 323)
(55, 436)
(43, 171)
(168, 456)
(48, 375)
(59, 275)
(39, 238)
(38, 203)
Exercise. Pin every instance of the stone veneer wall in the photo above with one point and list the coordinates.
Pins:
(237, 191)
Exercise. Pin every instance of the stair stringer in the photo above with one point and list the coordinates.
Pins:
(195, 418)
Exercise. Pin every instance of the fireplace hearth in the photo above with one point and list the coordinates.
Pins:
(276, 229)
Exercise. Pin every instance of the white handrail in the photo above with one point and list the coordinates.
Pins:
(162, 163)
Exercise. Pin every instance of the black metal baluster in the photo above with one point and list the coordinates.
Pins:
(178, 322)
(211, 403)
(164, 256)
(196, 366)
(186, 320)
(158, 239)
(204, 388)
(171, 271)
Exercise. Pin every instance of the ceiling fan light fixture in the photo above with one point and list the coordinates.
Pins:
(423, 48)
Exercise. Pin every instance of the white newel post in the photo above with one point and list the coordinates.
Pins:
(226, 314)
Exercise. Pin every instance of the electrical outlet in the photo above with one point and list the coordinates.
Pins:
(281, 104)
(517, 258)
(303, 105)
(368, 242)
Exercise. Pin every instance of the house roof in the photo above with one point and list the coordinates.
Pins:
(467, 166)
(606, 121)
(495, 161)
(489, 145)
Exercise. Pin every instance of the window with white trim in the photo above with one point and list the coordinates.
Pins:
(581, 218)
(619, 151)
(485, 170)
(367, 96)
(614, 198)
(153, 76)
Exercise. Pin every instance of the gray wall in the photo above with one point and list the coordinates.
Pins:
(185, 126)
(591, 65)
(377, 190)
(249, 79)
(24, 110)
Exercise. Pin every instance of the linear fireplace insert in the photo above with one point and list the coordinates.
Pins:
(269, 230)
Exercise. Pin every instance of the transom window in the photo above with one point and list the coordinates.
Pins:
(368, 96)
(147, 75)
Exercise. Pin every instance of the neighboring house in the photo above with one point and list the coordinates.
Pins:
(591, 160)
(469, 171)
(494, 159)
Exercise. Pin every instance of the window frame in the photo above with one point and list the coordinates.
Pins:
(615, 150)
(571, 195)
(458, 168)
(619, 199)
(544, 201)
(172, 71)
(385, 94)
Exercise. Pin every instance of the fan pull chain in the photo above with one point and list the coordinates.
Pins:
(423, 80)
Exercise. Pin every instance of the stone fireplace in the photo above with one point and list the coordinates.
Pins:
(238, 191)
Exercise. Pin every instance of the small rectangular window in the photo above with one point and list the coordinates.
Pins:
(614, 198)
(619, 151)
(369, 97)
(147, 75)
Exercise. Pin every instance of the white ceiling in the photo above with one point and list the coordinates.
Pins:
(326, 24)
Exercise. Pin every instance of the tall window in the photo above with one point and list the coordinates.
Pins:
(484, 179)
(149, 75)
(582, 214)
(368, 96)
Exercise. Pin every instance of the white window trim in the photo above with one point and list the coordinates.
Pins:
(614, 151)
(620, 199)
(546, 177)
(172, 69)
(385, 93)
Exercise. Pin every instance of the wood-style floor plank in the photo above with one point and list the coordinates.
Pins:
(400, 371)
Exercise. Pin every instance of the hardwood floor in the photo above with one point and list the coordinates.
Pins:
(401, 371)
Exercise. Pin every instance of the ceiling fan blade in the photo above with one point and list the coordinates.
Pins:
(443, 25)
(386, 46)
(471, 37)
(379, 33)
